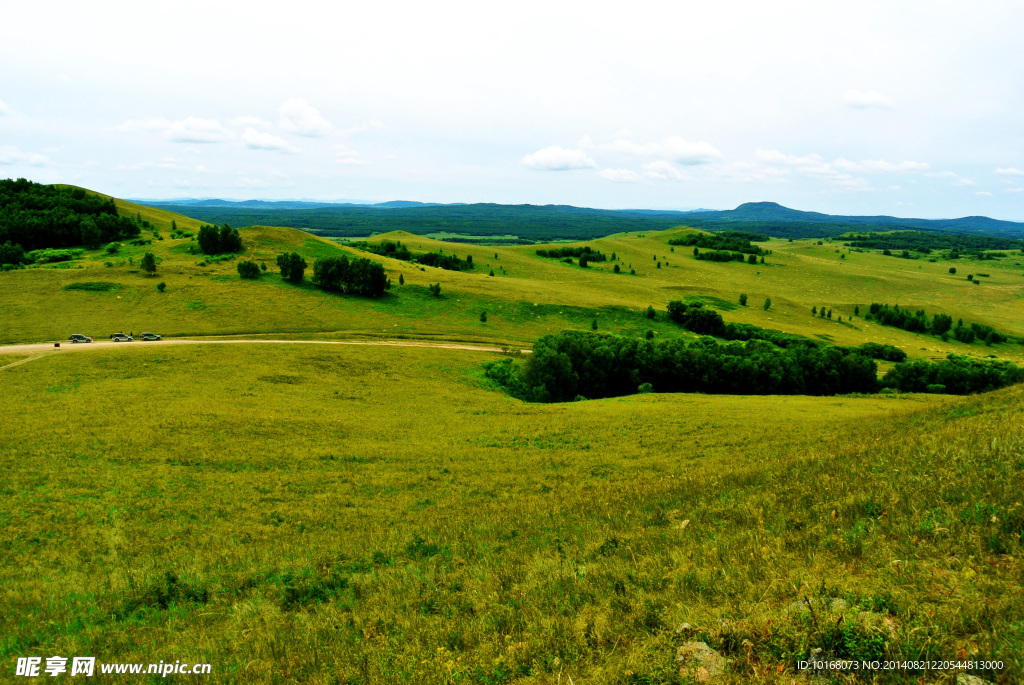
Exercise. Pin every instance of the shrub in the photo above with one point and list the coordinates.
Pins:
(483, 317)
(743, 300)
(650, 312)
(248, 269)
(616, 268)
(435, 289)
(952, 270)
(161, 286)
(148, 263)
(767, 303)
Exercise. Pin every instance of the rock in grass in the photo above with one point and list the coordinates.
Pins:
(700, 662)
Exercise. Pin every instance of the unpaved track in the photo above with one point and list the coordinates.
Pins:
(38, 350)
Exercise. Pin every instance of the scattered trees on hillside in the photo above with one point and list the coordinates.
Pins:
(941, 324)
(574, 252)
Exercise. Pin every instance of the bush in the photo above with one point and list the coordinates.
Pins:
(248, 270)
(767, 303)
(483, 317)
(435, 289)
(743, 300)
(161, 286)
(650, 312)
(148, 263)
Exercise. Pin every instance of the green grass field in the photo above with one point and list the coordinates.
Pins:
(336, 514)
(353, 514)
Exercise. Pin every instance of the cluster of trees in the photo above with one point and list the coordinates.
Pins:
(573, 364)
(292, 266)
(926, 242)
(590, 253)
(36, 216)
(956, 376)
(356, 277)
(396, 250)
(720, 256)
(449, 262)
(728, 241)
(386, 248)
(213, 240)
(247, 269)
(941, 324)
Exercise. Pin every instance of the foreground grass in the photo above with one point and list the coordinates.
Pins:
(357, 515)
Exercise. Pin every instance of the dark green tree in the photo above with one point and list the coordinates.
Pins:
(767, 303)
(401, 278)
(148, 263)
(435, 289)
(650, 312)
(161, 286)
(292, 266)
(743, 300)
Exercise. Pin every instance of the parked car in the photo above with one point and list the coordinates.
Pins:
(78, 337)
(121, 337)
(150, 336)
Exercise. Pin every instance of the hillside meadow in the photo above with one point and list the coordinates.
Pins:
(527, 297)
(338, 514)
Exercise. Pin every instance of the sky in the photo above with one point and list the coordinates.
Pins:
(912, 109)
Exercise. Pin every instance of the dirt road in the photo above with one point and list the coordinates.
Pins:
(37, 350)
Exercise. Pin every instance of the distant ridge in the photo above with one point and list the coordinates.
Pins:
(555, 222)
(772, 212)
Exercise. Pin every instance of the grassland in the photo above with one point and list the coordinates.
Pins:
(336, 514)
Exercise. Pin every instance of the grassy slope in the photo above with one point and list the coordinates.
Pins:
(358, 515)
(528, 296)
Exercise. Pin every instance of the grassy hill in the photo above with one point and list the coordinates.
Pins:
(341, 514)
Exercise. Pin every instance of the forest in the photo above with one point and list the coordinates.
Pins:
(731, 241)
(36, 216)
(925, 243)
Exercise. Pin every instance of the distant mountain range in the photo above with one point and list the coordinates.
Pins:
(532, 222)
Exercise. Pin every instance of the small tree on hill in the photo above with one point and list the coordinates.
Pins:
(435, 289)
(650, 312)
(161, 286)
(952, 270)
(148, 263)
(583, 260)
(743, 300)
(483, 317)
(767, 303)
(401, 278)
(292, 266)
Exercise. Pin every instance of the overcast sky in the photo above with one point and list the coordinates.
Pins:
(906, 108)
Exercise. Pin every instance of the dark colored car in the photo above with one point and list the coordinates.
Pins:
(150, 336)
(121, 337)
(78, 337)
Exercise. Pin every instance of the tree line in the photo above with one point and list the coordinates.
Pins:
(576, 364)
(34, 216)
(956, 376)
(925, 243)
(213, 240)
(590, 253)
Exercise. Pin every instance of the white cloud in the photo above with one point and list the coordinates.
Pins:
(661, 170)
(558, 159)
(12, 155)
(859, 99)
(4, 109)
(673, 149)
(347, 156)
(188, 130)
(880, 165)
(965, 182)
(1015, 190)
(1010, 172)
(984, 193)
(351, 161)
(776, 157)
(196, 130)
(941, 174)
(298, 116)
(255, 140)
(620, 175)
